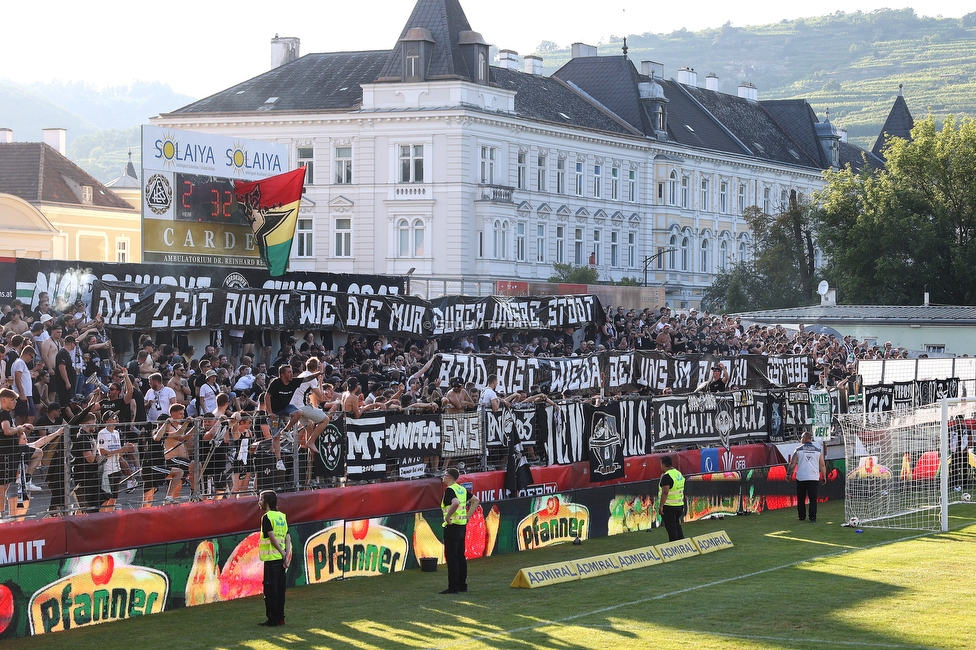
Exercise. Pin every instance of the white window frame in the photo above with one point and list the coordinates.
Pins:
(305, 157)
(414, 155)
(520, 235)
(742, 198)
(304, 237)
(723, 197)
(540, 242)
(705, 203)
(686, 254)
(343, 165)
(632, 186)
(767, 202)
(488, 164)
(580, 173)
(597, 181)
(560, 176)
(615, 248)
(122, 249)
(632, 249)
(673, 188)
(542, 173)
(560, 244)
(578, 247)
(521, 170)
(614, 183)
(598, 245)
(342, 229)
(685, 192)
(704, 261)
(672, 249)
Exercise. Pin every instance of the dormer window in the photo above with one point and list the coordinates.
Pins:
(87, 194)
(413, 63)
(482, 67)
(415, 50)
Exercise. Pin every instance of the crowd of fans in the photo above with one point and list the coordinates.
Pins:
(138, 406)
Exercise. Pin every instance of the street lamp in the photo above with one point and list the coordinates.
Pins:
(409, 273)
(648, 260)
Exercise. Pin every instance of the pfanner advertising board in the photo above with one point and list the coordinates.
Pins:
(189, 212)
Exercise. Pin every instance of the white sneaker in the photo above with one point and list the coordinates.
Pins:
(280, 466)
(31, 487)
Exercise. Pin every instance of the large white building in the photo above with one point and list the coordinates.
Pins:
(429, 157)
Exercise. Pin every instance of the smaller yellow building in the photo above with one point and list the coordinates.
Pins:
(50, 208)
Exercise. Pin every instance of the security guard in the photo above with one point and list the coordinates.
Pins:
(458, 504)
(671, 499)
(276, 558)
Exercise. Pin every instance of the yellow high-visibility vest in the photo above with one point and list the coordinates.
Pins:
(676, 495)
(460, 517)
(279, 525)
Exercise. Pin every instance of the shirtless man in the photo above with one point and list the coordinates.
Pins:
(174, 433)
(50, 347)
(457, 399)
(352, 399)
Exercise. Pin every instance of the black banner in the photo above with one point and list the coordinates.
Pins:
(412, 436)
(604, 443)
(710, 418)
(365, 448)
(878, 399)
(463, 315)
(623, 371)
(502, 424)
(330, 456)
(564, 431)
(128, 305)
(67, 282)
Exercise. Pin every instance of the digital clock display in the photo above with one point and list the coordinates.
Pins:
(207, 199)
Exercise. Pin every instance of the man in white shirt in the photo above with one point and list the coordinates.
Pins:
(158, 397)
(245, 382)
(810, 472)
(304, 399)
(24, 385)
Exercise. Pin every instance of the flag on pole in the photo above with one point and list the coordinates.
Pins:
(271, 206)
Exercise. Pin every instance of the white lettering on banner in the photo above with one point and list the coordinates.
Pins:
(651, 372)
(26, 551)
(420, 435)
(317, 309)
(117, 309)
(497, 428)
(360, 447)
(620, 370)
(788, 370)
(466, 366)
(511, 373)
(180, 309)
(460, 317)
(684, 375)
(516, 314)
(634, 418)
(364, 313)
(564, 443)
(568, 310)
(407, 318)
(575, 374)
(249, 309)
(460, 435)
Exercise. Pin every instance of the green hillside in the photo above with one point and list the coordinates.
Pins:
(851, 63)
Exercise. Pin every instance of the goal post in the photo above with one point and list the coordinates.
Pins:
(905, 467)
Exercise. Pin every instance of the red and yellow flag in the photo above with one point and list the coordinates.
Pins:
(271, 205)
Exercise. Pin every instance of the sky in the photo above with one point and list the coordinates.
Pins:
(200, 47)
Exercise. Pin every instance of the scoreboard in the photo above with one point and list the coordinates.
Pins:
(189, 211)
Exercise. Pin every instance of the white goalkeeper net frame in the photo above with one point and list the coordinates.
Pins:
(905, 467)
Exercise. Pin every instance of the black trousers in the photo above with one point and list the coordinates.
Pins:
(803, 490)
(457, 564)
(274, 590)
(671, 517)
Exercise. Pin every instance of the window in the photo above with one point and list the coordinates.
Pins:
(578, 247)
(305, 156)
(488, 165)
(935, 347)
(418, 237)
(343, 165)
(743, 251)
(560, 244)
(303, 237)
(540, 242)
(561, 176)
(704, 267)
(673, 188)
(784, 200)
(403, 238)
(632, 249)
(597, 247)
(481, 244)
(723, 197)
(521, 171)
(614, 248)
(410, 238)
(766, 201)
(343, 237)
(660, 258)
(685, 254)
(499, 245)
(672, 249)
(121, 250)
(614, 183)
(412, 163)
(632, 186)
(685, 192)
(579, 179)
(723, 255)
(413, 63)
(704, 207)
(482, 67)
(87, 193)
(597, 181)
(520, 228)
(541, 167)
(742, 197)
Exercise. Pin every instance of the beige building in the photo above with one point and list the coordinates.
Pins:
(57, 210)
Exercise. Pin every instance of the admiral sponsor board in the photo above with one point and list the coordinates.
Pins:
(190, 213)
(677, 550)
(590, 567)
(348, 549)
(712, 542)
(553, 521)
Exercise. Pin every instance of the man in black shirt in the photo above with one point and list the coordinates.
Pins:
(65, 375)
(280, 391)
(719, 381)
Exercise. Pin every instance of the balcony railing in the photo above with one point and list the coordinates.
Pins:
(496, 193)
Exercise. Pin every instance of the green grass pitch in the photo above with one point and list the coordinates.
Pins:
(786, 584)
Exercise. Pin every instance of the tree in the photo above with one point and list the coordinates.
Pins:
(735, 289)
(893, 234)
(569, 274)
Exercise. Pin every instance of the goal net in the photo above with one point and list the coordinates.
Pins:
(905, 467)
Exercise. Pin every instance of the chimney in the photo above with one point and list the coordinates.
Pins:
(652, 69)
(55, 138)
(748, 91)
(688, 77)
(284, 50)
(6, 135)
(533, 64)
(711, 82)
(508, 59)
(580, 50)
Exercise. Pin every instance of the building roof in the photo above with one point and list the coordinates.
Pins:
(868, 314)
(37, 173)
(445, 20)
(128, 179)
(899, 124)
(612, 81)
(314, 82)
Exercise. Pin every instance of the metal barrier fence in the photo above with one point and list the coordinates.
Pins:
(889, 371)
